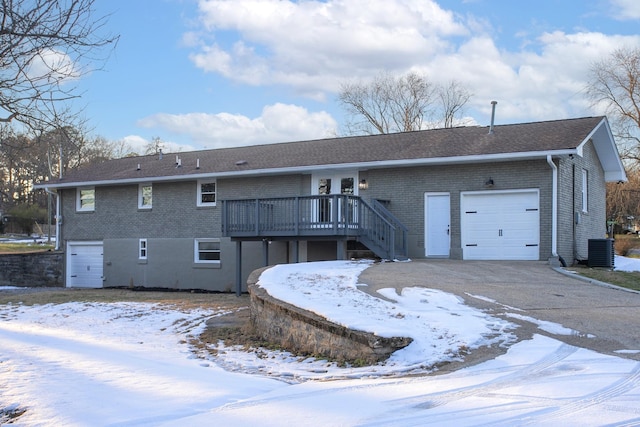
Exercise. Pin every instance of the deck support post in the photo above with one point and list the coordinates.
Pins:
(238, 267)
(265, 252)
(296, 251)
(341, 249)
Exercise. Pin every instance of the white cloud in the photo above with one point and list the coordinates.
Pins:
(277, 123)
(545, 82)
(240, 63)
(138, 144)
(53, 65)
(315, 46)
(625, 9)
(551, 84)
(312, 45)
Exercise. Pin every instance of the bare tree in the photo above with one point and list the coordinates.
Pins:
(453, 98)
(155, 146)
(615, 84)
(19, 160)
(623, 199)
(102, 149)
(70, 148)
(399, 104)
(37, 157)
(45, 45)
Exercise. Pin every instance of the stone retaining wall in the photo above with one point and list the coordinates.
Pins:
(38, 269)
(301, 331)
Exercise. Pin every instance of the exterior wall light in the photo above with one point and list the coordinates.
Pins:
(363, 184)
(489, 183)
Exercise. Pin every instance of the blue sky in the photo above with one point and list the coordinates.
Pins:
(212, 73)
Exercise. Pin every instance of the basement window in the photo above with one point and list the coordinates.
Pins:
(142, 249)
(207, 251)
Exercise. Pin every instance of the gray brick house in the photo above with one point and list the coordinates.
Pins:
(206, 219)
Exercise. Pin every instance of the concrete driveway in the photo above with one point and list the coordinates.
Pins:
(604, 319)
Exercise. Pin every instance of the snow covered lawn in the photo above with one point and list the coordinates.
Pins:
(81, 364)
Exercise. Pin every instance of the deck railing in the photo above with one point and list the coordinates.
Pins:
(312, 216)
(401, 243)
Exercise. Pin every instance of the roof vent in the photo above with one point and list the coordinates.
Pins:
(241, 162)
(493, 115)
(160, 154)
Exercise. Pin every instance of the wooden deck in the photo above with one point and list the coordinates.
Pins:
(316, 217)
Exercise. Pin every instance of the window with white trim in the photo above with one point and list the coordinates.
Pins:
(207, 251)
(86, 199)
(145, 196)
(585, 191)
(142, 249)
(207, 193)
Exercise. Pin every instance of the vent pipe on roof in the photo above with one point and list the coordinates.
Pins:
(197, 163)
(160, 154)
(493, 115)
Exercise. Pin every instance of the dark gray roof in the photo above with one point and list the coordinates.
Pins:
(462, 144)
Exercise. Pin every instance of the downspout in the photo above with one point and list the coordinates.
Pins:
(573, 211)
(554, 208)
(52, 193)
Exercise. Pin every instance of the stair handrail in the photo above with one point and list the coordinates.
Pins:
(401, 230)
(375, 231)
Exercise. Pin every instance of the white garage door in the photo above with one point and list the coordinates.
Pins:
(84, 264)
(501, 225)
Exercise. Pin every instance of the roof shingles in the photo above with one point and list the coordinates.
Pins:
(428, 144)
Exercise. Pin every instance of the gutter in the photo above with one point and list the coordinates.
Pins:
(554, 206)
(56, 195)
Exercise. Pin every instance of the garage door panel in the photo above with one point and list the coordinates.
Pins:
(84, 265)
(520, 252)
(501, 226)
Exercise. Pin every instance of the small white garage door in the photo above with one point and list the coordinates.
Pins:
(84, 264)
(501, 225)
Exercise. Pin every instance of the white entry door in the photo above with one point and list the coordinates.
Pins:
(84, 265)
(437, 220)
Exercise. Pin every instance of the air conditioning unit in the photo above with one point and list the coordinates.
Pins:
(601, 253)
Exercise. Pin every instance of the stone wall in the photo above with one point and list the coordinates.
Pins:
(301, 331)
(40, 269)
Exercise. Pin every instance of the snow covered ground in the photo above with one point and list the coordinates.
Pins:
(81, 364)
(626, 264)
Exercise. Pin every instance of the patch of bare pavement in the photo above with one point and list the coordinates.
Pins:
(601, 318)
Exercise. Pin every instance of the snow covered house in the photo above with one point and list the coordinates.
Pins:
(206, 219)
